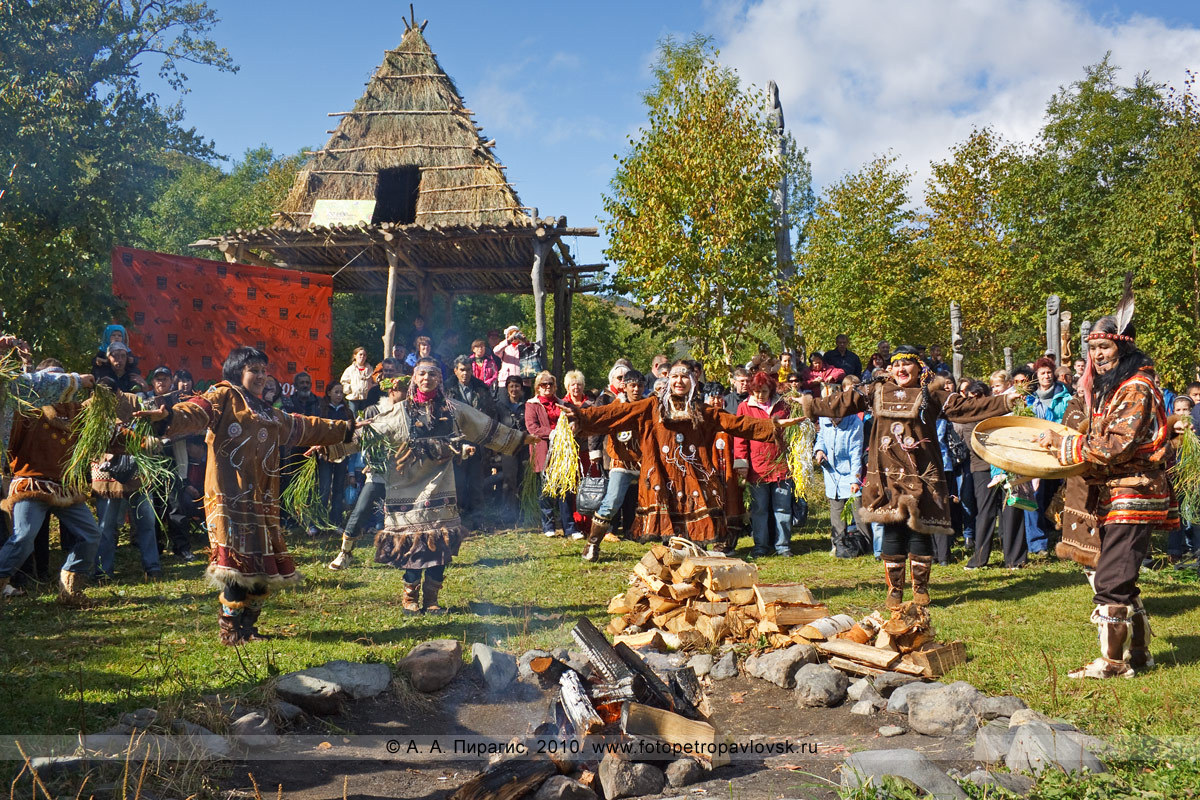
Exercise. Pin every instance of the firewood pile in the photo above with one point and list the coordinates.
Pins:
(682, 598)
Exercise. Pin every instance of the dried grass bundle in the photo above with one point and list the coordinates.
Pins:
(1185, 475)
(530, 510)
(806, 477)
(563, 472)
(376, 450)
(301, 500)
(153, 467)
(93, 429)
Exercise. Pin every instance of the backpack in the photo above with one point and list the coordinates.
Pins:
(959, 452)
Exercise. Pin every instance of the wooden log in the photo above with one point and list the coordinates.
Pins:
(688, 694)
(682, 591)
(780, 641)
(615, 626)
(734, 574)
(578, 707)
(648, 687)
(619, 604)
(659, 552)
(735, 626)
(507, 780)
(827, 628)
(785, 614)
(907, 668)
(736, 597)
(661, 620)
(712, 609)
(639, 617)
(937, 661)
(765, 627)
(873, 656)
(548, 669)
(693, 566)
(854, 668)
(661, 605)
(656, 584)
(636, 596)
(767, 593)
(684, 621)
(884, 642)
(602, 655)
(714, 629)
(674, 729)
(654, 566)
(651, 639)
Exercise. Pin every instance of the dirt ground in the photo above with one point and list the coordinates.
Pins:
(338, 764)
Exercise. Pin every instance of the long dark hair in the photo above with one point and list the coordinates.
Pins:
(1129, 360)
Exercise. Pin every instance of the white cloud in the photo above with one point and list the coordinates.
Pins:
(860, 78)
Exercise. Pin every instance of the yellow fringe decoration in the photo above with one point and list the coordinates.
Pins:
(806, 475)
(562, 472)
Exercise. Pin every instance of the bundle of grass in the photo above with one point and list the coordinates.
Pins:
(1022, 408)
(1185, 475)
(562, 461)
(530, 511)
(93, 428)
(376, 450)
(806, 477)
(301, 500)
(154, 471)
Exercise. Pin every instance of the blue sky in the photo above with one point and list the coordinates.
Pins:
(558, 86)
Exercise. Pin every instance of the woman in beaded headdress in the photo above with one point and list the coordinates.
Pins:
(904, 488)
(1123, 438)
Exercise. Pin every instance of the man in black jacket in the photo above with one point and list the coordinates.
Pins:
(470, 474)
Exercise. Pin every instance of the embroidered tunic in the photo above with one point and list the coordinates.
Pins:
(1126, 445)
(904, 481)
(680, 492)
(241, 483)
(421, 524)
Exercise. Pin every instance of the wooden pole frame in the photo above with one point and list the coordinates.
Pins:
(541, 250)
(389, 303)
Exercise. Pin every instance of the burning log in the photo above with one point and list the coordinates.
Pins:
(685, 687)
(507, 780)
(548, 669)
(648, 687)
(579, 709)
(602, 655)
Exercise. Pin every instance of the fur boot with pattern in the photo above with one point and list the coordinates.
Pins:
(1113, 623)
(70, 589)
(229, 627)
(922, 566)
(411, 601)
(1139, 637)
(429, 599)
(893, 572)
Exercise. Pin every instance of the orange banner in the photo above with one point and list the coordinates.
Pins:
(188, 313)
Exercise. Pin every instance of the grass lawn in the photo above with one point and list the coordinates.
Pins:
(64, 670)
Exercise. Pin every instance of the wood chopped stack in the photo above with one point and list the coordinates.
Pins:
(681, 599)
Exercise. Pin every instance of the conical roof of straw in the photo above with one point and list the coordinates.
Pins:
(410, 115)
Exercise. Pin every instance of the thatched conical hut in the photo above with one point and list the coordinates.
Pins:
(407, 197)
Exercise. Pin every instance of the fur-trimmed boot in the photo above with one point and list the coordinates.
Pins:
(249, 618)
(229, 625)
(893, 572)
(600, 528)
(1139, 637)
(70, 589)
(921, 567)
(7, 590)
(1113, 624)
(411, 603)
(346, 556)
(429, 594)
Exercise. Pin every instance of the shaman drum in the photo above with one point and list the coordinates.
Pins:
(1009, 443)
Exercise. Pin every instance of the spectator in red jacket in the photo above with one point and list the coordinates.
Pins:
(765, 471)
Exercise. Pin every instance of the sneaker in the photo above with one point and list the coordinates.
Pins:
(784, 553)
(576, 536)
(549, 534)
(342, 561)
(12, 591)
(186, 555)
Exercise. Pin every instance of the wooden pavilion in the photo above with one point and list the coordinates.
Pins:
(408, 198)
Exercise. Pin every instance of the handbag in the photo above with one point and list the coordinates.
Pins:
(590, 494)
(959, 452)
(531, 360)
(120, 468)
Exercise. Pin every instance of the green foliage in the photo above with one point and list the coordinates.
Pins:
(860, 273)
(690, 219)
(81, 146)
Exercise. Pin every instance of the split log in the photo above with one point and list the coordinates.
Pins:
(712, 609)
(780, 641)
(765, 628)
(548, 669)
(579, 709)
(854, 668)
(655, 567)
(714, 629)
(661, 620)
(827, 628)
(683, 622)
(619, 604)
(640, 617)
(661, 605)
(735, 597)
(907, 668)
(674, 729)
(696, 566)
(937, 661)
(648, 687)
(786, 614)
(659, 553)
(602, 655)
(656, 584)
(616, 625)
(650, 639)
(872, 656)
(767, 593)
(507, 780)
(733, 574)
(684, 590)
(884, 642)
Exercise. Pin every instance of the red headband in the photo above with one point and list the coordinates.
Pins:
(1116, 337)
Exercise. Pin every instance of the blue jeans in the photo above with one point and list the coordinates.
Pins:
(1184, 541)
(547, 505)
(618, 484)
(966, 496)
(877, 538)
(145, 536)
(27, 517)
(771, 499)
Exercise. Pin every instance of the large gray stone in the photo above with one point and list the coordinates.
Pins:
(701, 664)
(620, 778)
(725, 668)
(285, 711)
(433, 664)
(872, 765)
(945, 711)
(524, 672)
(863, 708)
(1036, 746)
(885, 683)
(1026, 715)
(359, 681)
(898, 702)
(862, 689)
(498, 669)
(684, 772)
(780, 666)
(200, 740)
(141, 719)
(254, 730)
(314, 695)
(992, 742)
(48, 767)
(820, 685)
(1010, 781)
(560, 787)
(1004, 706)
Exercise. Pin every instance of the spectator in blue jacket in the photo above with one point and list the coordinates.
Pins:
(1048, 400)
(839, 452)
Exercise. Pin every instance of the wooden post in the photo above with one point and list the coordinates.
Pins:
(1065, 339)
(1054, 327)
(449, 318)
(425, 297)
(783, 236)
(1008, 360)
(568, 358)
(956, 359)
(541, 249)
(389, 302)
(560, 308)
